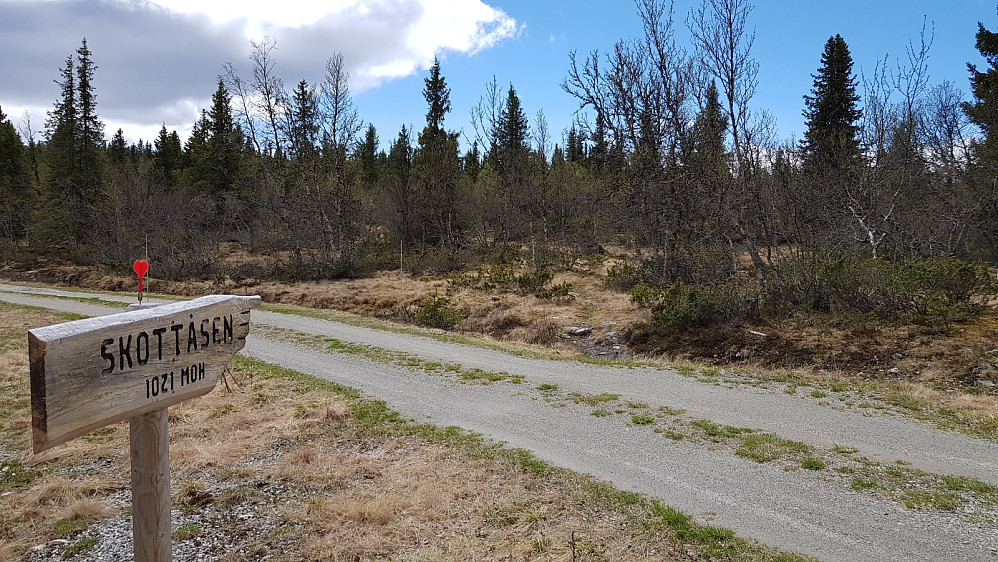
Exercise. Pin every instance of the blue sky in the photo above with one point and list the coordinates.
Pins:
(790, 36)
(158, 59)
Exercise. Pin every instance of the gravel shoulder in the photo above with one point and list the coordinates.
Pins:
(797, 510)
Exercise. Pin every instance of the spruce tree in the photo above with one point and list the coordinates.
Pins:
(73, 191)
(224, 146)
(831, 140)
(437, 95)
(304, 122)
(704, 154)
(984, 85)
(398, 187)
(61, 128)
(511, 159)
(473, 161)
(14, 182)
(984, 113)
(575, 149)
(437, 167)
(118, 148)
(512, 134)
(367, 153)
(168, 154)
(11, 150)
(90, 129)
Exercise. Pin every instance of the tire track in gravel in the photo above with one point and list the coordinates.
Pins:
(796, 510)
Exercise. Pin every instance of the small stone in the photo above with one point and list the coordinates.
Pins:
(893, 370)
(897, 356)
(983, 383)
(743, 354)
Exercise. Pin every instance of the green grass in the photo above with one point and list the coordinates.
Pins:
(69, 526)
(671, 411)
(766, 447)
(81, 547)
(718, 541)
(686, 370)
(671, 433)
(602, 413)
(818, 394)
(964, 484)
(188, 531)
(642, 419)
(13, 474)
(931, 499)
(547, 387)
(389, 357)
(594, 399)
(863, 484)
(711, 429)
(812, 463)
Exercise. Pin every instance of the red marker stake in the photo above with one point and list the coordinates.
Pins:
(141, 267)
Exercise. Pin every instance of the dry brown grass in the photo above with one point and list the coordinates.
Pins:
(328, 489)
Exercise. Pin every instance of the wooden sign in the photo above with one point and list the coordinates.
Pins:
(89, 373)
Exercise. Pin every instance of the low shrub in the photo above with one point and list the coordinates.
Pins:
(533, 282)
(645, 295)
(682, 306)
(624, 277)
(941, 287)
(436, 312)
(556, 291)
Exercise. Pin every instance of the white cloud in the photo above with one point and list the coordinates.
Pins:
(429, 26)
(158, 60)
(288, 13)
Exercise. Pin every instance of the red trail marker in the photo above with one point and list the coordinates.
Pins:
(141, 267)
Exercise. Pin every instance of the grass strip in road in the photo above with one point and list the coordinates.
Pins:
(386, 356)
(975, 500)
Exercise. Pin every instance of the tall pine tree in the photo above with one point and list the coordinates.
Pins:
(831, 140)
(437, 167)
(984, 113)
(14, 181)
(74, 196)
(984, 85)
(90, 129)
(511, 161)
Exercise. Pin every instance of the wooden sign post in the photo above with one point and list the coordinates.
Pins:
(93, 372)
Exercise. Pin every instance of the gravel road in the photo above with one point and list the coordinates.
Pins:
(798, 510)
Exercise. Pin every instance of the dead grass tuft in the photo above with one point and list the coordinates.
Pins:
(87, 508)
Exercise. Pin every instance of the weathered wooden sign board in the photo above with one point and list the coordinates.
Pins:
(92, 372)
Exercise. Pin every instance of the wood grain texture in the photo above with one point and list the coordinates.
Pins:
(92, 372)
(150, 452)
